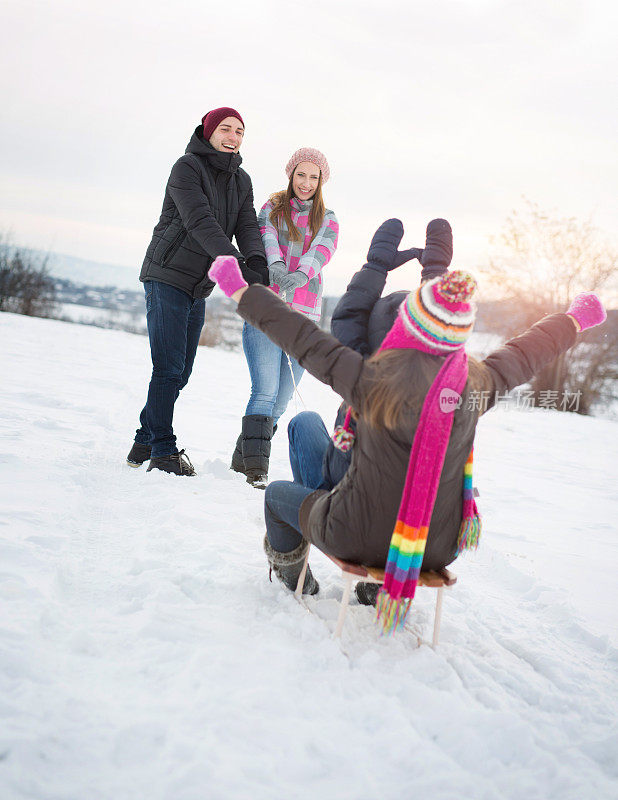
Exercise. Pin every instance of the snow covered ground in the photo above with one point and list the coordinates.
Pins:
(144, 653)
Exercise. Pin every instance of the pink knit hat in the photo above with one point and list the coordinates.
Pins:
(312, 155)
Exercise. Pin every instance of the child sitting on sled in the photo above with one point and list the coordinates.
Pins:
(361, 320)
(406, 501)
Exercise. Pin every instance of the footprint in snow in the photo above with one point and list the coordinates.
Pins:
(217, 468)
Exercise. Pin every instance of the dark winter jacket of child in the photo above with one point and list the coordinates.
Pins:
(208, 200)
(355, 520)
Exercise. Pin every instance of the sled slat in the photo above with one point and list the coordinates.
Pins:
(427, 578)
(435, 579)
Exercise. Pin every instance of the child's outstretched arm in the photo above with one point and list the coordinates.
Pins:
(521, 358)
(321, 354)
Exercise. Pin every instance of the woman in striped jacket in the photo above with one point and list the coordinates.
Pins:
(300, 236)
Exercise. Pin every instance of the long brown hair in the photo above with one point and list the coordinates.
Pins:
(281, 210)
(402, 383)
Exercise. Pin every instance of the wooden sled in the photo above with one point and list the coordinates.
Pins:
(351, 573)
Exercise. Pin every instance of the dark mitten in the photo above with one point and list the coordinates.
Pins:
(258, 265)
(383, 253)
(403, 256)
(438, 251)
(250, 276)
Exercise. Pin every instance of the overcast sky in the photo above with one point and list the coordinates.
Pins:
(452, 109)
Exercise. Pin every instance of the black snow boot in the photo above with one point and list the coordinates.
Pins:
(178, 464)
(238, 463)
(138, 454)
(367, 593)
(257, 431)
(288, 566)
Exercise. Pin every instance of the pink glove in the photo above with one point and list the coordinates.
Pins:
(226, 272)
(587, 310)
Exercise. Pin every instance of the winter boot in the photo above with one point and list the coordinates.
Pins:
(238, 465)
(257, 431)
(288, 566)
(138, 454)
(178, 464)
(367, 593)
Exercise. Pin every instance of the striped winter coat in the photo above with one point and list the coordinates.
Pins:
(307, 255)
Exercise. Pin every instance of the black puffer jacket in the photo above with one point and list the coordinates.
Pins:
(361, 320)
(362, 317)
(208, 199)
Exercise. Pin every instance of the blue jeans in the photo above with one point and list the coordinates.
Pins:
(308, 440)
(271, 382)
(175, 321)
(281, 506)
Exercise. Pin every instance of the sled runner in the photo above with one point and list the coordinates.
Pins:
(356, 572)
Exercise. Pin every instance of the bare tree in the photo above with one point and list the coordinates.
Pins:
(25, 284)
(540, 263)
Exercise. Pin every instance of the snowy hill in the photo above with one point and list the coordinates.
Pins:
(144, 653)
(93, 273)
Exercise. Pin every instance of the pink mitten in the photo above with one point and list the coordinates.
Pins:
(587, 310)
(226, 272)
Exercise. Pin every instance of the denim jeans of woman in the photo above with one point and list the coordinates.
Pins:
(272, 385)
(175, 321)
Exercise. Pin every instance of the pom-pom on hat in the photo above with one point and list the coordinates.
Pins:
(312, 155)
(437, 318)
(216, 117)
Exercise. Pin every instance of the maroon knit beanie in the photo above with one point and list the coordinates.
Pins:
(216, 117)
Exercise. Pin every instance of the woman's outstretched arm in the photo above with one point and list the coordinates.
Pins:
(350, 321)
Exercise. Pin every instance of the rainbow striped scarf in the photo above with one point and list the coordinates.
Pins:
(407, 547)
(470, 530)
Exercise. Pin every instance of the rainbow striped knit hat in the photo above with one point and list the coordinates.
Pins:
(437, 318)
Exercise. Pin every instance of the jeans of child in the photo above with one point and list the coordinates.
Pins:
(271, 381)
(175, 321)
(281, 506)
(308, 440)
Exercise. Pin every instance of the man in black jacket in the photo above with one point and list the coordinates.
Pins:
(208, 200)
